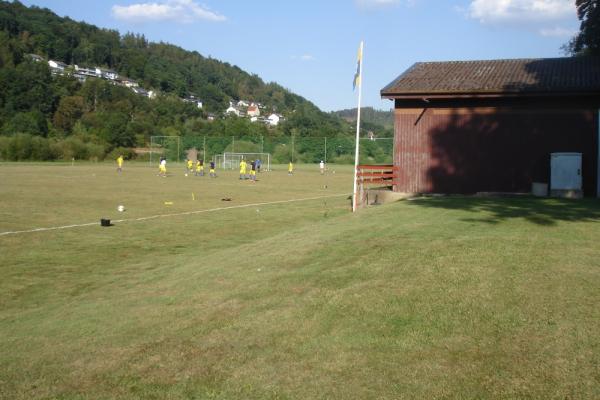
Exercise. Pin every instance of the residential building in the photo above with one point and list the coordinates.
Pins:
(233, 110)
(253, 111)
(194, 100)
(274, 119)
(57, 67)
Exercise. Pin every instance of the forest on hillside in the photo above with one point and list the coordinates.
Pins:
(48, 116)
(369, 115)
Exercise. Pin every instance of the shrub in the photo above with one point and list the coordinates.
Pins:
(4, 143)
(344, 159)
(282, 154)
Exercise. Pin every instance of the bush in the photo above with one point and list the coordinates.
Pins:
(23, 146)
(344, 159)
(41, 149)
(4, 148)
(75, 148)
(96, 152)
(282, 154)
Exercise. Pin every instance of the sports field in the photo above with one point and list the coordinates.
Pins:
(281, 293)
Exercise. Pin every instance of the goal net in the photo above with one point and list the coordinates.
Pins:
(230, 160)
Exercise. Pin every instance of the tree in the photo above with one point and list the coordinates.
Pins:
(32, 123)
(70, 109)
(587, 41)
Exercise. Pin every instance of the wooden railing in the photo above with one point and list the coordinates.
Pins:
(381, 175)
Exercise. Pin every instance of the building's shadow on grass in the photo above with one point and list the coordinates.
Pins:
(493, 210)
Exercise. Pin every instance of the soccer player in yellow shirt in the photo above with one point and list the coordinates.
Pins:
(162, 167)
(290, 168)
(243, 167)
(120, 163)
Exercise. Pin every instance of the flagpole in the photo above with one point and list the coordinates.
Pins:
(355, 197)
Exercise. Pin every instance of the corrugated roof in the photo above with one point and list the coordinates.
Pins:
(543, 75)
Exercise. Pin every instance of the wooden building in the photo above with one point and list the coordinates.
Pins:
(490, 126)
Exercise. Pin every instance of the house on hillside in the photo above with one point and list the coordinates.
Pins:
(128, 82)
(243, 103)
(253, 111)
(491, 126)
(57, 67)
(88, 72)
(274, 119)
(143, 92)
(233, 110)
(192, 99)
(107, 74)
(139, 91)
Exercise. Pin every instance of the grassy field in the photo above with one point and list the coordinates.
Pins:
(453, 297)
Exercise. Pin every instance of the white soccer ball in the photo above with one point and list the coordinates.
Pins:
(121, 208)
(185, 174)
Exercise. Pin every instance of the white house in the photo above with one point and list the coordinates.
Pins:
(242, 103)
(143, 92)
(274, 119)
(139, 90)
(129, 83)
(194, 100)
(85, 71)
(233, 110)
(57, 65)
(106, 74)
(109, 74)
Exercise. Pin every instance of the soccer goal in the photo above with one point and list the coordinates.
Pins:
(230, 160)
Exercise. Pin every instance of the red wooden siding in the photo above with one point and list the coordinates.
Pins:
(444, 149)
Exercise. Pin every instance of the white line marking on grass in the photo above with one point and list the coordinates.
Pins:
(54, 228)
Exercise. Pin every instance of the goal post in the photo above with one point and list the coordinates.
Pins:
(230, 160)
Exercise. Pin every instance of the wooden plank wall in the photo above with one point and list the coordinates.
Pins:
(497, 149)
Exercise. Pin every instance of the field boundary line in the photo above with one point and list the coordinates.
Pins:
(179, 214)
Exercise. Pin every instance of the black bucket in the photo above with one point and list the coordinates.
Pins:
(105, 222)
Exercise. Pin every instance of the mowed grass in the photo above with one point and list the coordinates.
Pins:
(433, 298)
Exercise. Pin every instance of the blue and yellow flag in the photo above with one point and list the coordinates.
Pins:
(358, 67)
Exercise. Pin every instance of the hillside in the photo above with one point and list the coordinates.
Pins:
(368, 115)
(50, 105)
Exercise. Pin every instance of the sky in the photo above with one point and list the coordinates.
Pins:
(310, 46)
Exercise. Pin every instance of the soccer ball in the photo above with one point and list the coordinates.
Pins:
(185, 174)
(121, 208)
